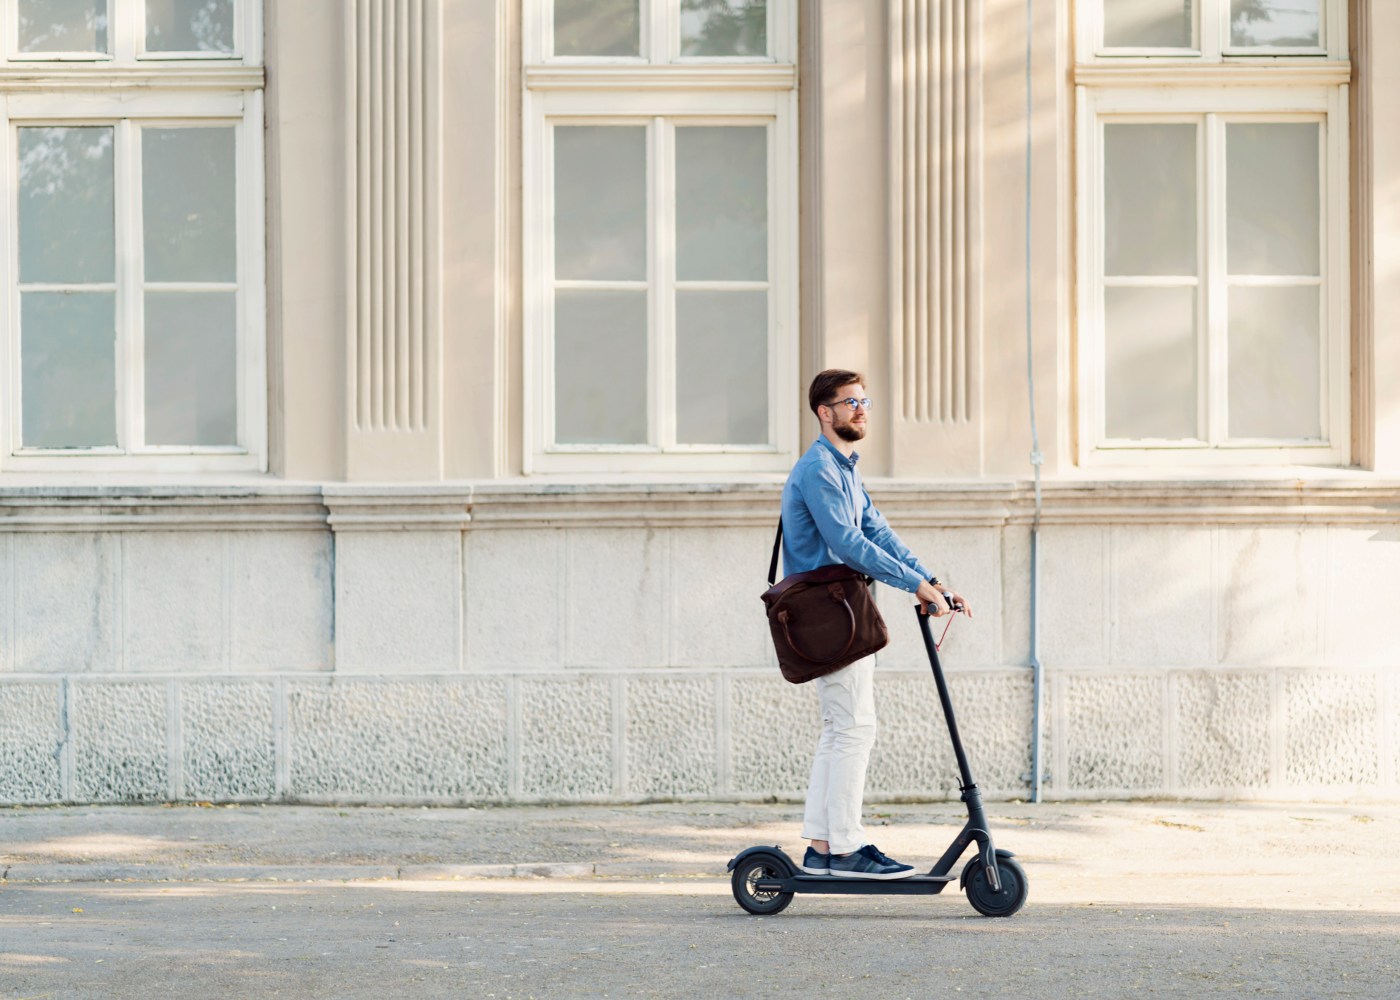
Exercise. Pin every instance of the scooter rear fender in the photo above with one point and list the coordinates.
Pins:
(775, 852)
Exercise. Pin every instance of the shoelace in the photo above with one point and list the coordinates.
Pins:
(880, 856)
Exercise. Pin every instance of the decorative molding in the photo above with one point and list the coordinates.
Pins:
(395, 328)
(386, 508)
(935, 206)
(1282, 71)
(706, 77)
(104, 77)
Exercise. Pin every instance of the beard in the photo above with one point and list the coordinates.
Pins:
(849, 432)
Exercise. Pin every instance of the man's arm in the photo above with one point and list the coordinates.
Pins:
(826, 501)
(874, 526)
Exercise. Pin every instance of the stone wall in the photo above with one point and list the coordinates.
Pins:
(520, 643)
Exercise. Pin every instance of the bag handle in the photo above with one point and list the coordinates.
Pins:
(838, 593)
(773, 565)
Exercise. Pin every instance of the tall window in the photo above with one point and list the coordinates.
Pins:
(133, 235)
(660, 234)
(1213, 321)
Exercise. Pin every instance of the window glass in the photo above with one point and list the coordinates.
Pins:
(190, 355)
(65, 205)
(1150, 199)
(1147, 24)
(719, 28)
(600, 367)
(600, 202)
(722, 367)
(62, 25)
(722, 203)
(189, 25)
(68, 369)
(1275, 362)
(188, 204)
(1273, 192)
(1275, 23)
(597, 28)
(1150, 362)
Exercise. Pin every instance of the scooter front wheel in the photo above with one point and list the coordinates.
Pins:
(747, 875)
(989, 903)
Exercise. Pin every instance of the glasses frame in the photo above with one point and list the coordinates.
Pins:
(865, 402)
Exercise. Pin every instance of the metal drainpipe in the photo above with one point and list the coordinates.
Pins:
(1037, 459)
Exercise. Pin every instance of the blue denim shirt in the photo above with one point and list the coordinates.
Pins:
(829, 518)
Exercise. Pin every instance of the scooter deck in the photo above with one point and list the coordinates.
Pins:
(914, 885)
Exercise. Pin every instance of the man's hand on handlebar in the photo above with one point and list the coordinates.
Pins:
(939, 602)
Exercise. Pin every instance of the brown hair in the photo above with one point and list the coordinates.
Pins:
(827, 383)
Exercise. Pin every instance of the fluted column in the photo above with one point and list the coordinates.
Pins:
(395, 350)
(935, 222)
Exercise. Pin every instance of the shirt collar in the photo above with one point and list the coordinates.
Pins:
(849, 463)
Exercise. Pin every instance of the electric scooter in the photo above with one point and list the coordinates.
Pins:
(765, 878)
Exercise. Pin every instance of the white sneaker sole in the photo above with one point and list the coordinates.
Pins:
(815, 871)
(883, 876)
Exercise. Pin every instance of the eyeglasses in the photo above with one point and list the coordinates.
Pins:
(853, 403)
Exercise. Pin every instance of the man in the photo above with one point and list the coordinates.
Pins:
(828, 518)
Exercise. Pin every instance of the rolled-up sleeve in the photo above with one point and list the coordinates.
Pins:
(825, 497)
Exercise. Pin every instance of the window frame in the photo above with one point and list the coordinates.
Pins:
(662, 96)
(117, 92)
(126, 38)
(1211, 31)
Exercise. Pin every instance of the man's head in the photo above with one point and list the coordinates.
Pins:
(828, 397)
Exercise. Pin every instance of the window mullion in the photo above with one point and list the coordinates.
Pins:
(131, 415)
(1215, 288)
(663, 30)
(126, 21)
(1212, 21)
(662, 341)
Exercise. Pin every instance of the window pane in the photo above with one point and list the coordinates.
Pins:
(1274, 198)
(600, 367)
(1150, 199)
(65, 205)
(63, 25)
(722, 367)
(597, 28)
(1147, 24)
(1275, 362)
(190, 362)
(724, 27)
(188, 204)
(1276, 23)
(1150, 367)
(600, 202)
(68, 359)
(722, 203)
(189, 25)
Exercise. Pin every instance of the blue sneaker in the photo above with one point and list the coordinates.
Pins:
(814, 863)
(868, 862)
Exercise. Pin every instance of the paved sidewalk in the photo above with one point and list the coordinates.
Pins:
(1160, 898)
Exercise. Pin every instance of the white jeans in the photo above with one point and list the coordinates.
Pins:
(843, 750)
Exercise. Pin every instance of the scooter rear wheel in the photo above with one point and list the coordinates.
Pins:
(745, 880)
(1014, 888)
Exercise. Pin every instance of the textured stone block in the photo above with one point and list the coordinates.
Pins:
(616, 595)
(671, 742)
(1016, 596)
(717, 575)
(515, 599)
(1074, 595)
(1161, 595)
(1362, 566)
(281, 600)
(913, 754)
(566, 738)
(773, 729)
(1271, 595)
(174, 601)
(119, 740)
(1223, 731)
(29, 742)
(1331, 730)
(65, 602)
(228, 747)
(417, 740)
(969, 561)
(1115, 733)
(398, 601)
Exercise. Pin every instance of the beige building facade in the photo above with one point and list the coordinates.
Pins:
(398, 393)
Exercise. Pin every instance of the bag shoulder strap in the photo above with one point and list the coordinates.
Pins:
(777, 544)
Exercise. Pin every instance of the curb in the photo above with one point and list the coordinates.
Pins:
(33, 874)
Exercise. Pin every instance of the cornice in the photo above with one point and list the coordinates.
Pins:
(105, 77)
(1276, 72)
(743, 76)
